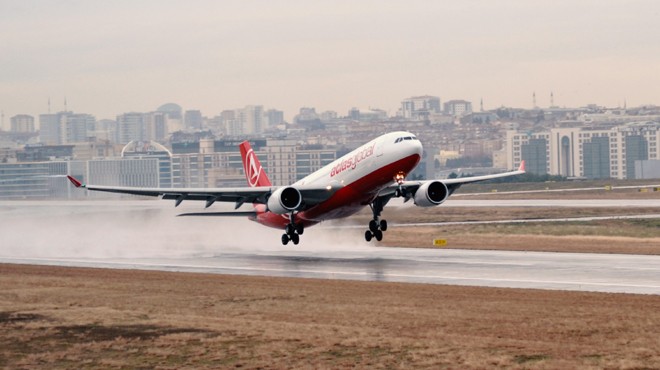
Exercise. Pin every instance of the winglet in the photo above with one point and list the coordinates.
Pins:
(522, 166)
(74, 181)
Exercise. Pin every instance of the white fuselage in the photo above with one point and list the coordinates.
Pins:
(368, 158)
(360, 176)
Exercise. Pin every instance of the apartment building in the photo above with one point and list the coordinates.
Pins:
(218, 163)
(591, 152)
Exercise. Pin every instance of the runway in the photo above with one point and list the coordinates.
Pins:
(563, 271)
(145, 235)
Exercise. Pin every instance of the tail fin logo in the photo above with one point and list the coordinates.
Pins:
(252, 168)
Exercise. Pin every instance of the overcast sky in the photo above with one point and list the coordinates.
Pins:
(111, 57)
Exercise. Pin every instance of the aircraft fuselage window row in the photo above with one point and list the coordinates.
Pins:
(400, 139)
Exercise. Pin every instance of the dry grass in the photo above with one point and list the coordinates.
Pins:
(599, 189)
(84, 318)
(605, 236)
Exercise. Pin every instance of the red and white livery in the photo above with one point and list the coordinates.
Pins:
(370, 175)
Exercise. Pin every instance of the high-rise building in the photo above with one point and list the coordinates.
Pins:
(76, 126)
(419, 107)
(228, 115)
(534, 153)
(131, 127)
(354, 114)
(155, 126)
(596, 160)
(328, 116)
(173, 116)
(22, 123)
(253, 119)
(591, 152)
(193, 120)
(306, 114)
(107, 129)
(637, 149)
(65, 127)
(458, 107)
(274, 117)
(49, 129)
(196, 165)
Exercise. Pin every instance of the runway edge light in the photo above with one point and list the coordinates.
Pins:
(439, 242)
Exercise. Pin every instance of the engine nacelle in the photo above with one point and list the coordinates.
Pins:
(284, 200)
(431, 194)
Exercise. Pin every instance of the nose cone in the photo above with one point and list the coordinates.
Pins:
(415, 147)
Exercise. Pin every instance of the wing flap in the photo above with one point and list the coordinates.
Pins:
(312, 195)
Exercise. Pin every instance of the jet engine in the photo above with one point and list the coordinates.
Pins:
(431, 194)
(284, 200)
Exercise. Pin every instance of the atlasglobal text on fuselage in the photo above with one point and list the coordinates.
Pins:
(370, 176)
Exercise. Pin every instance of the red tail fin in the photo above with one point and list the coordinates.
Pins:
(254, 173)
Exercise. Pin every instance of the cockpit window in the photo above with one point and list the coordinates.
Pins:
(400, 139)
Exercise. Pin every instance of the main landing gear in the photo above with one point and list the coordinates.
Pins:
(376, 226)
(292, 232)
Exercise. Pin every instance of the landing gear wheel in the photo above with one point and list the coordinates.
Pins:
(368, 235)
(376, 225)
(383, 225)
(292, 231)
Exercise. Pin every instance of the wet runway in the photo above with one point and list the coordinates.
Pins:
(145, 235)
(563, 271)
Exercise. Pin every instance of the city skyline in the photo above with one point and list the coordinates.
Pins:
(111, 58)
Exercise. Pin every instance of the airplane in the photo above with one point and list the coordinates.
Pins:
(370, 175)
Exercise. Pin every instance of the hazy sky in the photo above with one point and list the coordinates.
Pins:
(110, 57)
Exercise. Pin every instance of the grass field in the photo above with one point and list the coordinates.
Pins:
(635, 236)
(63, 318)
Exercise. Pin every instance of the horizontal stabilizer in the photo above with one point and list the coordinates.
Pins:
(221, 214)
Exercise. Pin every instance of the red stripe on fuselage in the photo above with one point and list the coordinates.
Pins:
(347, 200)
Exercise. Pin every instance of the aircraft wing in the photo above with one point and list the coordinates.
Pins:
(311, 195)
(409, 188)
